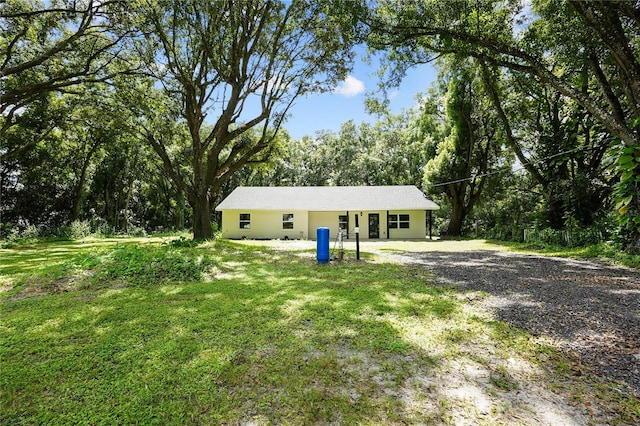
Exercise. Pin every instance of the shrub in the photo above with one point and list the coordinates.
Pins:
(101, 227)
(137, 231)
(8, 232)
(76, 230)
(79, 229)
(567, 237)
(145, 265)
(184, 242)
(30, 232)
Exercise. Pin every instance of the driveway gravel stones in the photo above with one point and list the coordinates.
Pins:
(589, 309)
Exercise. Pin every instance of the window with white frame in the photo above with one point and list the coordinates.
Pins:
(398, 221)
(287, 221)
(245, 220)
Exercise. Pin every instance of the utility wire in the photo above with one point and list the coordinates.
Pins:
(510, 169)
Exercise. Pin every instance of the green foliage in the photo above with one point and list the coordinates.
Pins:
(184, 242)
(577, 237)
(466, 142)
(30, 232)
(76, 150)
(608, 252)
(562, 90)
(627, 194)
(48, 47)
(88, 164)
(79, 229)
(290, 49)
(387, 153)
(128, 264)
(572, 235)
(142, 266)
(502, 380)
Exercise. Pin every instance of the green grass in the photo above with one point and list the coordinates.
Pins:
(153, 332)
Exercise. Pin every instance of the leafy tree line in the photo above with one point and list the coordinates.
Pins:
(146, 114)
(563, 79)
(205, 86)
(384, 153)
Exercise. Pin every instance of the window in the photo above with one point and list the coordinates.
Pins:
(404, 221)
(398, 221)
(245, 221)
(393, 221)
(287, 221)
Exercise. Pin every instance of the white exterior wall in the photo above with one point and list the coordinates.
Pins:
(265, 224)
(331, 220)
(327, 219)
(417, 225)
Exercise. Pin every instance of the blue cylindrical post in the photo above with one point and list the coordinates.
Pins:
(322, 243)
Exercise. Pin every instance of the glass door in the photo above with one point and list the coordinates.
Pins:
(374, 225)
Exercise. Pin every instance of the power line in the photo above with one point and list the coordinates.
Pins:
(510, 169)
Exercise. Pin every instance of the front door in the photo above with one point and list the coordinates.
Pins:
(374, 225)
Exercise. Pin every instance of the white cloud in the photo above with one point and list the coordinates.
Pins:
(350, 87)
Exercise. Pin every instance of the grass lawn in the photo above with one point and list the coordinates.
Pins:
(153, 332)
(603, 252)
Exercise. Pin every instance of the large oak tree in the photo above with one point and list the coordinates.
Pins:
(55, 47)
(547, 40)
(465, 142)
(236, 68)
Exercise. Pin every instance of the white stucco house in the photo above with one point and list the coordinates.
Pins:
(295, 212)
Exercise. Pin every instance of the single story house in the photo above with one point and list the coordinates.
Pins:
(295, 212)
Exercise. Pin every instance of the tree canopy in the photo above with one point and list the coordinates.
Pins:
(239, 65)
(586, 52)
(56, 46)
(143, 115)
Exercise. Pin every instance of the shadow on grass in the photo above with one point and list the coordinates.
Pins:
(32, 257)
(271, 338)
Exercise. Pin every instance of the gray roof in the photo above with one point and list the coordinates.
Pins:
(327, 198)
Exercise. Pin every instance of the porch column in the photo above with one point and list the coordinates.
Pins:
(388, 236)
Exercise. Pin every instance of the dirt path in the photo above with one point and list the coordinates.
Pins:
(589, 309)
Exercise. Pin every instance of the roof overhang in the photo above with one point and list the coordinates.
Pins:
(327, 198)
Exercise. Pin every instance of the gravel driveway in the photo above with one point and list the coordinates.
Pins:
(589, 309)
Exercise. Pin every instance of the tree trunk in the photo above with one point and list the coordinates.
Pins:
(127, 201)
(116, 213)
(77, 201)
(457, 217)
(634, 245)
(202, 229)
(455, 224)
(79, 189)
(179, 217)
(107, 204)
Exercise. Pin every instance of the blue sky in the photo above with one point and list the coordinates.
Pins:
(329, 111)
